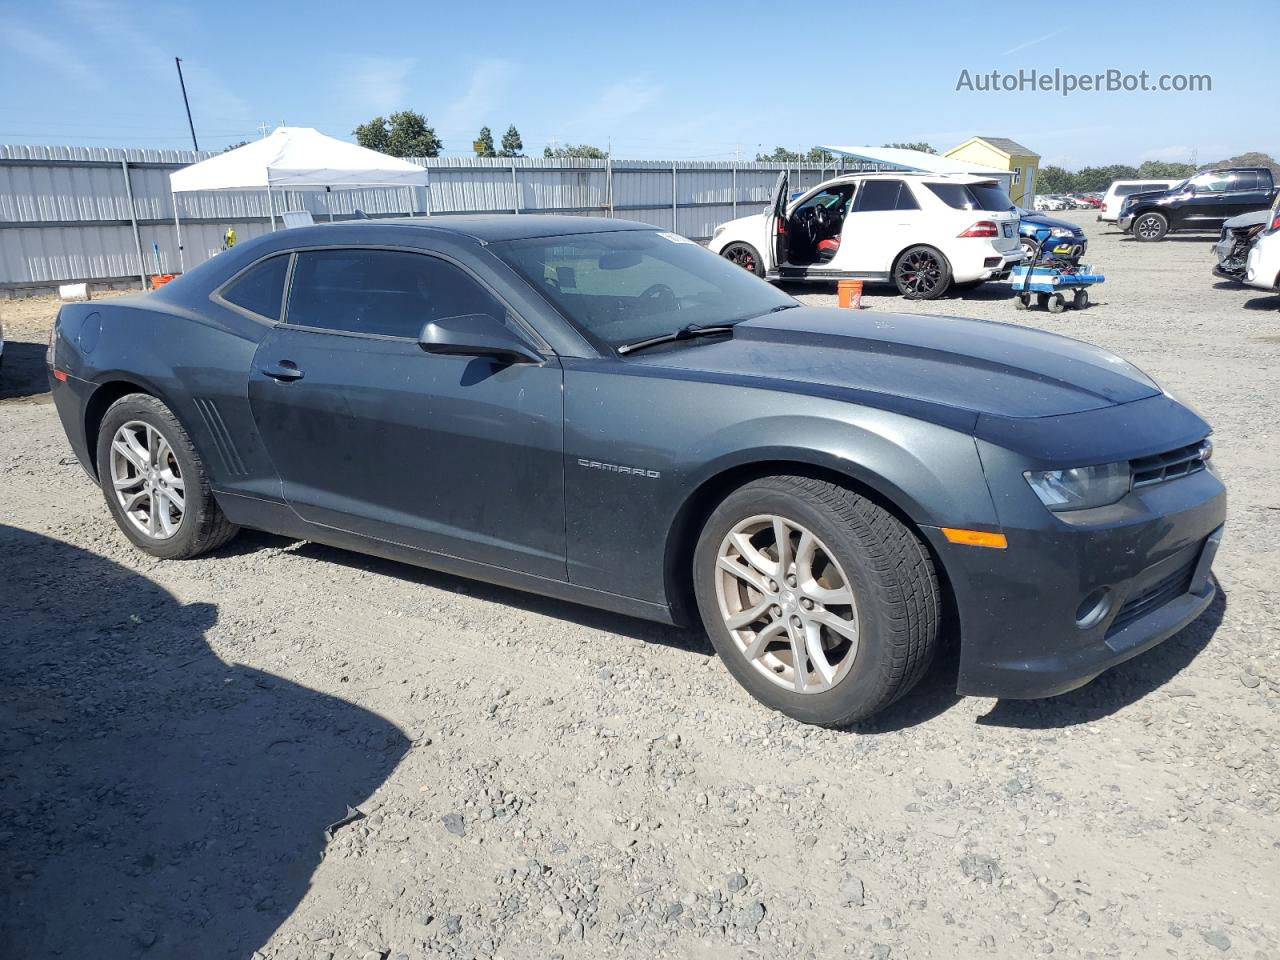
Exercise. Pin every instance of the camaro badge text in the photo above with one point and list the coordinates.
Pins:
(616, 468)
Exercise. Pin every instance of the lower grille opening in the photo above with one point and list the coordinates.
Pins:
(1154, 597)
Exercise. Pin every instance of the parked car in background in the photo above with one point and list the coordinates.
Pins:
(1262, 268)
(1037, 232)
(1234, 243)
(1044, 201)
(1119, 189)
(923, 232)
(1202, 202)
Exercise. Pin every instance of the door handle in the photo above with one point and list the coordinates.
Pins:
(284, 371)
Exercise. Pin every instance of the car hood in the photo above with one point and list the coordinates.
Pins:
(914, 364)
(1251, 219)
(1040, 220)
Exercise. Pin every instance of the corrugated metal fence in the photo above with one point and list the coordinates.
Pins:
(101, 213)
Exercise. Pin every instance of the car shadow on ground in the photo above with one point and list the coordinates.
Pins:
(1269, 303)
(23, 373)
(688, 639)
(154, 799)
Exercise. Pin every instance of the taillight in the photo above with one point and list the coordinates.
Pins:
(1275, 224)
(51, 354)
(983, 228)
(1104, 206)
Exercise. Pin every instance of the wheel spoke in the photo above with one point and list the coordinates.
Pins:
(127, 483)
(799, 670)
(817, 655)
(741, 619)
(782, 540)
(130, 449)
(827, 596)
(176, 498)
(773, 631)
(846, 628)
(753, 556)
(743, 573)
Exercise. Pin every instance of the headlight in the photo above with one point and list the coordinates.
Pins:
(1080, 488)
(1061, 232)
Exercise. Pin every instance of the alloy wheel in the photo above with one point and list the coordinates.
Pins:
(920, 272)
(147, 480)
(787, 604)
(742, 257)
(1148, 228)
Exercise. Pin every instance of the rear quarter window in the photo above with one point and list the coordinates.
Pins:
(260, 289)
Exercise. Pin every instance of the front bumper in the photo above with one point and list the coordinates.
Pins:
(1125, 221)
(1030, 626)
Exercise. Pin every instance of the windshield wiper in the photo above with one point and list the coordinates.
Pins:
(684, 333)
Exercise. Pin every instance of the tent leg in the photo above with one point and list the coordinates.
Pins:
(177, 228)
(271, 208)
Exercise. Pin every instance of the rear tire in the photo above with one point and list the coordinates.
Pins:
(922, 273)
(168, 509)
(1057, 303)
(861, 561)
(746, 256)
(1150, 227)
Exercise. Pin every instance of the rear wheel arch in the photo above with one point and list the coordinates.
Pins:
(698, 506)
(100, 402)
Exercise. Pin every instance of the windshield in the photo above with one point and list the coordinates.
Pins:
(628, 285)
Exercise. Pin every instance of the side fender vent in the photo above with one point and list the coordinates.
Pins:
(224, 446)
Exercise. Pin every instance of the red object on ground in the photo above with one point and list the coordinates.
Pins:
(158, 280)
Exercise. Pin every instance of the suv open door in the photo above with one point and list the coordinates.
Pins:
(776, 255)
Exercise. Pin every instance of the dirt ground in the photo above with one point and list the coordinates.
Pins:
(532, 779)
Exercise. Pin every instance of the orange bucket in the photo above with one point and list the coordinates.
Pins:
(158, 280)
(849, 293)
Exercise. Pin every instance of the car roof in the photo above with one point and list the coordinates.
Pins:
(913, 174)
(495, 227)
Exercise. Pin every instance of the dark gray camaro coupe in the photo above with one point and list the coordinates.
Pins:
(596, 410)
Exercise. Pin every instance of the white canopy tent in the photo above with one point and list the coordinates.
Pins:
(293, 158)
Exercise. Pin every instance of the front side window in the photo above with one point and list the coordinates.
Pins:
(388, 293)
(260, 289)
(621, 286)
(1212, 183)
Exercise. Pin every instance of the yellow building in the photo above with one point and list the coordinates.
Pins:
(1001, 153)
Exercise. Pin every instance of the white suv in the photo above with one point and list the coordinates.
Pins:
(1262, 269)
(1113, 200)
(925, 232)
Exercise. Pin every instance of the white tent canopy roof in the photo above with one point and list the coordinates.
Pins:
(916, 160)
(297, 158)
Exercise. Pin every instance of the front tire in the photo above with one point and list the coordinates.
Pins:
(1150, 227)
(746, 256)
(155, 483)
(820, 602)
(922, 273)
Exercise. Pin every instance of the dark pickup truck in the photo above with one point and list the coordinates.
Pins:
(1202, 202)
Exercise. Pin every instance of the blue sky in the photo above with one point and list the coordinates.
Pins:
(657, 79)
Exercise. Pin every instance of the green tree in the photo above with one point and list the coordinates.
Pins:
(405, 134)
(922, 146)
(483, 144)
(783, 155)
(1055, 180)
(1161, 170)
(582, 151)
(512, 145)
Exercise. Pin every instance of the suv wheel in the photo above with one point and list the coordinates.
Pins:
(821, 603)
(1150, 227)
(922, 273)
(745, 256)
(155, 483)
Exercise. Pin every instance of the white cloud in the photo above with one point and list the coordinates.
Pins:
(378, 84)
(487, 89)
(47, 51)
(621, 99)
(1032, 43)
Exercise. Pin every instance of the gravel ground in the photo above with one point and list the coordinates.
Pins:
(531, 779)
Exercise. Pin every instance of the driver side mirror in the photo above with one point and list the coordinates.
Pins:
(476, 335)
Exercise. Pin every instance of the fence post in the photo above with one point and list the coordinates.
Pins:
(674, 203)
(428, 188)
(734, 190)
(515, 187)
(608, 183)
(133, 219)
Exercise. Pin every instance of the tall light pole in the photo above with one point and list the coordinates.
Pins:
(182, 83)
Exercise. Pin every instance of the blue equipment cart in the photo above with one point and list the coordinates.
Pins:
(1050, 282)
